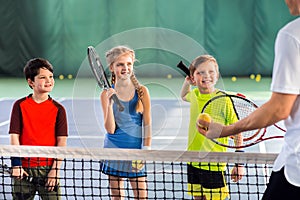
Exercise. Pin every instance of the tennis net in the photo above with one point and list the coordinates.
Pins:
(166, 171)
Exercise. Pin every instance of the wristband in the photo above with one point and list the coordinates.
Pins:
(239, 164)
(146, 147)
(16, 161)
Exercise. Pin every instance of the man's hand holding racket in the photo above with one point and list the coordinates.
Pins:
(243, 107)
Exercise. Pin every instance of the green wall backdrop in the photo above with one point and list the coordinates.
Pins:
(239, 33)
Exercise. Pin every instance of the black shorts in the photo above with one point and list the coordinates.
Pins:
(279, 188)
(208, 179)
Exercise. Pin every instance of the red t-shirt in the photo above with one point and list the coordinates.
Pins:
(39, 124)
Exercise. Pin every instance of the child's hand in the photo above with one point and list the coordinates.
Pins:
(237, 173)
(109, 94)
(52, 180)
(190, 81)
(18, 172)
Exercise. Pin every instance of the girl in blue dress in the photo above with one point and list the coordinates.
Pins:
(129, 129)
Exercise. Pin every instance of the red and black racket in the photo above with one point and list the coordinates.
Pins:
(223, 104)
(100, 75)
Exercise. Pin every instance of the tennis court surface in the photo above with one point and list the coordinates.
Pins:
(165, 164)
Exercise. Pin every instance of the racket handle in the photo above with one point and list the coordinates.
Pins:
(183, 68)
(117, 101)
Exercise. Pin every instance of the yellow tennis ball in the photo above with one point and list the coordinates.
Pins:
(258, 77)
(169, 76)
(70, 76)
(205, 117)
(233, 78)
(61, 77)
(252, 76)
(137, 165)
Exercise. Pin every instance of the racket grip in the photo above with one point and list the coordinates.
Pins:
(183, 68)
(117, 101)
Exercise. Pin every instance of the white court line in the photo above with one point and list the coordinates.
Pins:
(4, 123)
(61, 99)
(6, 98)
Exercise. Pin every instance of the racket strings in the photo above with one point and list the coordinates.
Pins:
(244, 108)
(224, 107)
(97, 69)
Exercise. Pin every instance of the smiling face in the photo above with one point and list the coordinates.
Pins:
(122, 67)
(205, 73)
(206, 76)
(43, 82)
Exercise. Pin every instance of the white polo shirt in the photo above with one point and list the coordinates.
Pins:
(286, 79)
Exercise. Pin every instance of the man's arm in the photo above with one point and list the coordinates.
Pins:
(276, 109)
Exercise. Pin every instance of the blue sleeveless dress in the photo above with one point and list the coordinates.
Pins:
(128, 135)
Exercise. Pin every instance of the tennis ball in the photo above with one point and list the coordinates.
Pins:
(233, 78)
(169, 76)
(252, 76)
(61, 77)
(70, 76)
(205, 117)
(258, 77)
(137, 165)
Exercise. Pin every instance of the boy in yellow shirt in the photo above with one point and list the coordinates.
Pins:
(206, 180)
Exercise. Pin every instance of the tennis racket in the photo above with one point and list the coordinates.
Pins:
(183, 68)
(100, 75)
(226, 105)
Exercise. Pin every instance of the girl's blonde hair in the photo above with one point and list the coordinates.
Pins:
(111, 56)
(202, 59)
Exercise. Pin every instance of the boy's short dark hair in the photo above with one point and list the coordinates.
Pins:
(33, 67)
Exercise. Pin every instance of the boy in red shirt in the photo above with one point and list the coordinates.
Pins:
(37, 120)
